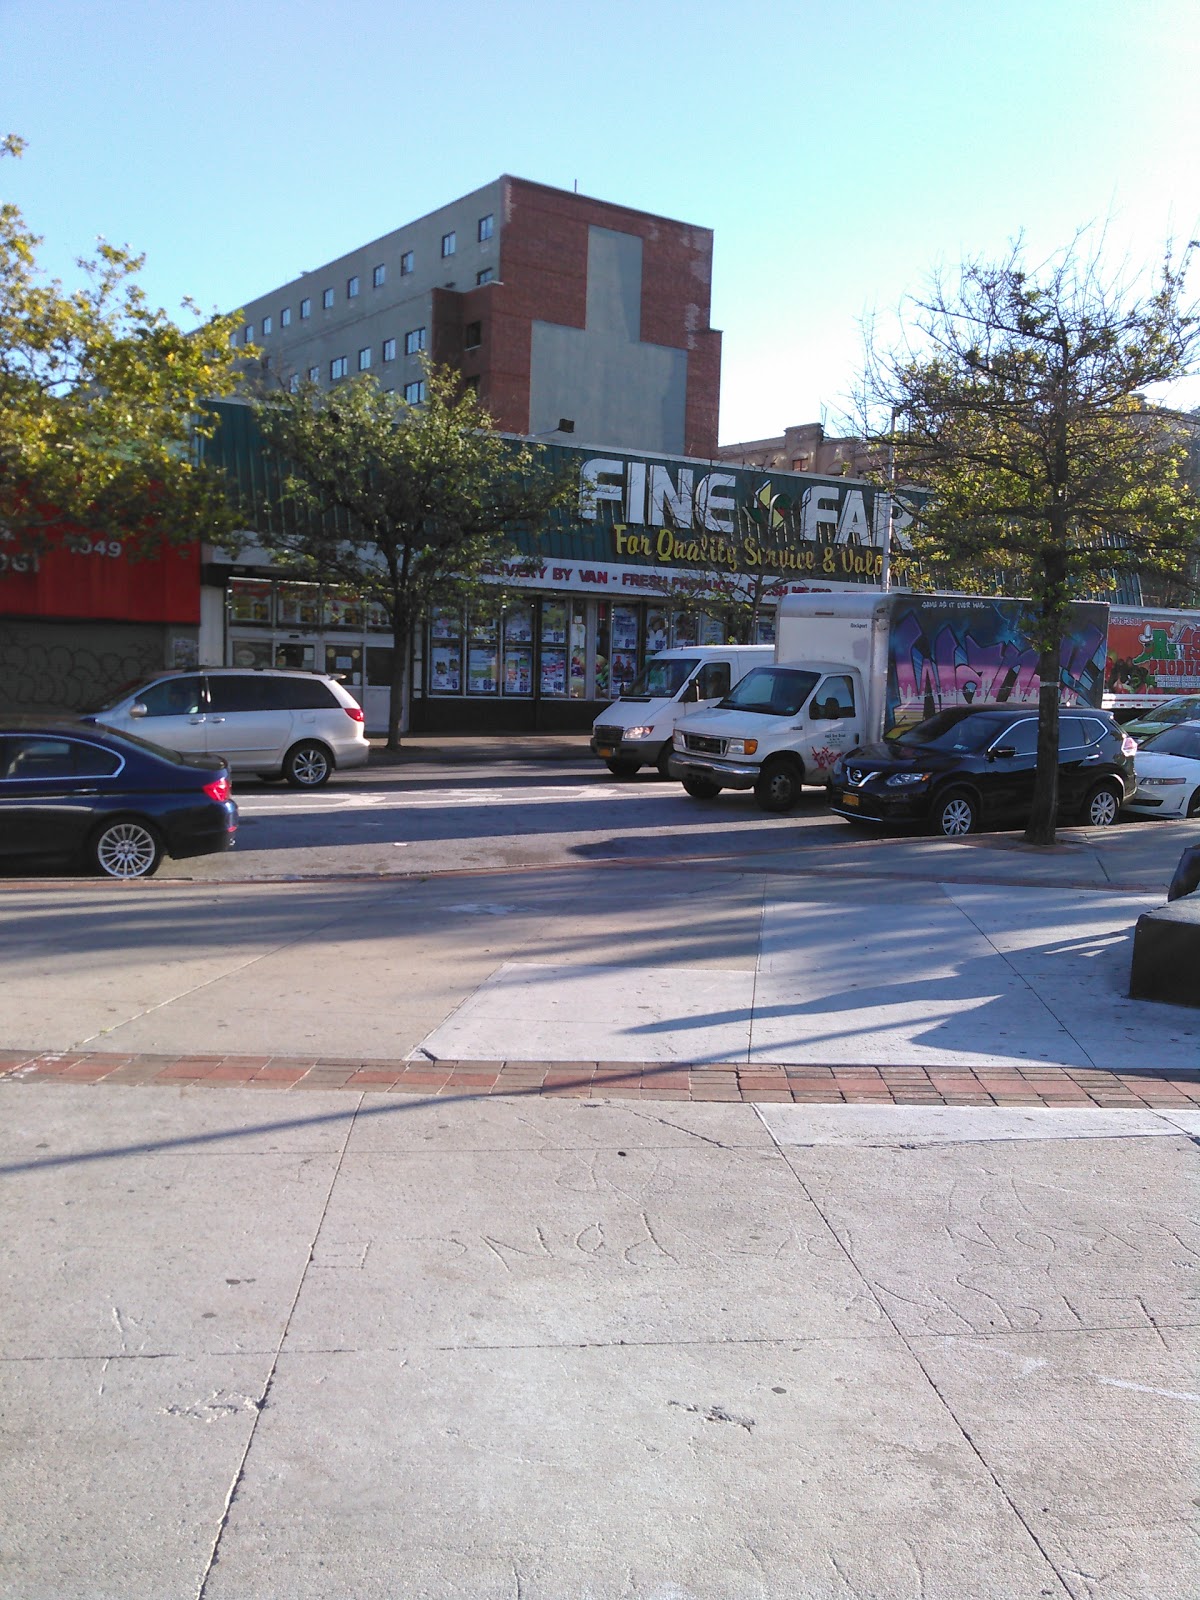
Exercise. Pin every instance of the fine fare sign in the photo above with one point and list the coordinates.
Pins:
(741, 526)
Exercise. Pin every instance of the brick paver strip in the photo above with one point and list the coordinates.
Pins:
(836, 1083)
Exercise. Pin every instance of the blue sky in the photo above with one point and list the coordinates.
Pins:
(839, 151)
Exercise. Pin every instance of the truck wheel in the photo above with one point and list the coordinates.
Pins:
(623, 769)
(701, 788)
(955, 813)
(779, 785)
(1101, 806)
(664, 760)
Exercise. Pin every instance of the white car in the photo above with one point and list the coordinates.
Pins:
(1168, 774)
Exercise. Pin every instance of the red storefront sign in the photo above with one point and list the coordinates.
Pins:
(85, 575)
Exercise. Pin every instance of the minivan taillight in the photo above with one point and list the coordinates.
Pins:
(218, 789)
(355, 713)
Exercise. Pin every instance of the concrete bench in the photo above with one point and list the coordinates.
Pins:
(1166, 954)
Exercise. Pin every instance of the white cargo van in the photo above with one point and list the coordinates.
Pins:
(637, 729)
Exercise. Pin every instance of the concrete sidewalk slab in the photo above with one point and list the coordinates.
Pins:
(907, 1127)
(424, 1393)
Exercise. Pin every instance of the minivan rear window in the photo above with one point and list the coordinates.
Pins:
(229, 692)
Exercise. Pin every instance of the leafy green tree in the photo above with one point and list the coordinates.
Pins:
(1018, 401)
(100, 398)
(412, 506)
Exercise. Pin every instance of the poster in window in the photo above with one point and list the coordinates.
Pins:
(624, 670)
(685, 628)
(299, 605)
(712, 629)
(518, 670)
(483, 630)
(554, 624)
(481, 670)
(518, 626)
(554, 672)
(656, 632)
(446, 624)
(250, 602)
(624, 628)
(445, 669)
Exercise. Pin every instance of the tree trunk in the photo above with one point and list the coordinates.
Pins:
(1043, 813)
(401, 635)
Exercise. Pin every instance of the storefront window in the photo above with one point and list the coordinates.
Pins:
(518, 650)
(249, 601)
(299, 605)
(712, 628)
(578, 652)
(624, 648)
(343, 610)
(379, 665)
(377, 617)
(554, 649)
(250, 653)
(299, 657)
(764, 630)
(445, 642)
(344, 661)
(684, 631)
(483, 674)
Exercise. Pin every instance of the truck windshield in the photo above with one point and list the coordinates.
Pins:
(661, 680)
(773, 691)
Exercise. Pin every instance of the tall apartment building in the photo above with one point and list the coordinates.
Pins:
(554, 307)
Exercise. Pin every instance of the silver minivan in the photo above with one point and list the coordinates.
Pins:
(293, 725)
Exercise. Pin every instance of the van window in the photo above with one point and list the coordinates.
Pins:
(174, 697)
(661, 679)
(237, 693)
(714, 680)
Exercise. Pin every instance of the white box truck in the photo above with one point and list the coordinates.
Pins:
(636, 729)
(853, 668)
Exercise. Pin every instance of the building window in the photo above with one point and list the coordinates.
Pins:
(364, 359)
(414, 393)
(379, 277)
(233, 340)
(485, 276)
(352, 287)
(389, 349)
(472, 335)
(327, 299)
(449, 243)
(314, 374)
(285, 317)
(471, 384)
(266, 326)
(305, 308)
(248, 333)
(414, 341)
(337, 367)
(294, 383)
(486, 225)
(406, 263)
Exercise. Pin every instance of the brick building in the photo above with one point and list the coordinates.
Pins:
(554, 307)
(804, 447)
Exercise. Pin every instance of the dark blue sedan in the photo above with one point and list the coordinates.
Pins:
(112, 801)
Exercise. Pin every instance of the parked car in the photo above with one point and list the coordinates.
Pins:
(1145, 724)
(110, 801)
(973, 767)
(294, 725)
(1168, 773)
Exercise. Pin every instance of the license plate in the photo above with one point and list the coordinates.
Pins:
(604, 751)
(850, 800)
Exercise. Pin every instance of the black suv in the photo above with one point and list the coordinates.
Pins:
(973, 767)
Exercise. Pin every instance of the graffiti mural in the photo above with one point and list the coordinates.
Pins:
(46, 667)
(946, 652)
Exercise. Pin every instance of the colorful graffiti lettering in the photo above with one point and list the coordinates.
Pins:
(942, 655)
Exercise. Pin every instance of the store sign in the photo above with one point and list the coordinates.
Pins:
(89, 575)
(741, 521)
(614, 579)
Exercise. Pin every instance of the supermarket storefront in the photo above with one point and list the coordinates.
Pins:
(640, 562)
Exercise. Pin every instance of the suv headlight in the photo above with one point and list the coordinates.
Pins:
(907, 780)
(741, 747)
(641, 732)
